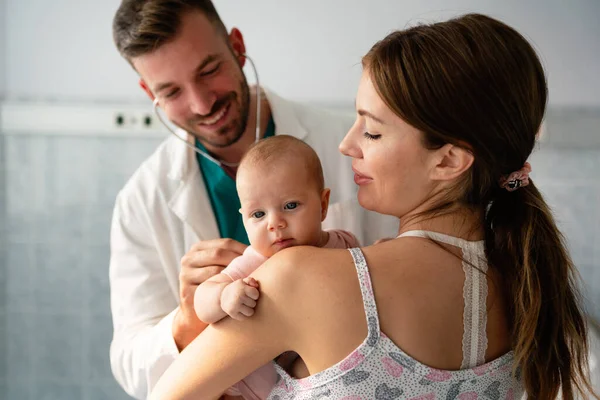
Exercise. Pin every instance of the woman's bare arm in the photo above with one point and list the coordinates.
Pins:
(230, 350)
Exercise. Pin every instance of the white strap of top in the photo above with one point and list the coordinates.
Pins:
(366, 288)
(474, 342)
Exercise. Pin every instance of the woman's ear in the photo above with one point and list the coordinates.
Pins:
(450, 162)
(325, 202)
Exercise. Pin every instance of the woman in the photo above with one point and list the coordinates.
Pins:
(475, 297)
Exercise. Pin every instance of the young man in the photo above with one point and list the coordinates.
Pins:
(176, 222)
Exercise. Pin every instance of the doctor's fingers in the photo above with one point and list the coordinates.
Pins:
(195, 276)
(224, 244)
(208, 257)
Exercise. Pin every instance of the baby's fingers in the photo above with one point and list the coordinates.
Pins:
(246, 311)
(251, 292)
(247, 301)
(251, 282)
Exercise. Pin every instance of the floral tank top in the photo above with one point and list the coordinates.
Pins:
(380, 370)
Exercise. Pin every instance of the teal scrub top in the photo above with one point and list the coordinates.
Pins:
(223, 194)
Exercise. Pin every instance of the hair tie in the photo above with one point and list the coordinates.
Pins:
(516, 179)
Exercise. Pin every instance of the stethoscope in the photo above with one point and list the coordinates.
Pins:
(203, 153)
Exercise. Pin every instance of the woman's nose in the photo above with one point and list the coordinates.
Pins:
(348, 146)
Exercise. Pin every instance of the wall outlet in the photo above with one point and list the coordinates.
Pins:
(134, 120)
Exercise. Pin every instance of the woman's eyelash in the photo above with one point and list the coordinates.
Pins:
(371, 137)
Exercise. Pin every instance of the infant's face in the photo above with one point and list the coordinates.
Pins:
(281, 207)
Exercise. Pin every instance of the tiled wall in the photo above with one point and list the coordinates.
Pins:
(569, 179)
(59, 193)
(56, 198)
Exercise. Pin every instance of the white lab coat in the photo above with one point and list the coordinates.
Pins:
(164, 209)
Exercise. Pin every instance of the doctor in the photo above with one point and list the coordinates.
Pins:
(176, 222)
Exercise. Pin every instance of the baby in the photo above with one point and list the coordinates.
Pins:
(283, 203)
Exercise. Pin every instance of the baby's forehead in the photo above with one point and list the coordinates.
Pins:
(280, 169)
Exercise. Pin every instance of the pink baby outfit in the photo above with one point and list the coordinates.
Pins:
(259, 384)
(244, 265)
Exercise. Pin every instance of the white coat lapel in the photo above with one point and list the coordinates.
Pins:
(190, 201)
(284, 116)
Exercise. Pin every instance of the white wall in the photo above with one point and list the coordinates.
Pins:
(308, 50)
(3, 30)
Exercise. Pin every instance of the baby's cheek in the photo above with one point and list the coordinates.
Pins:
(310, 233)
(258, 239)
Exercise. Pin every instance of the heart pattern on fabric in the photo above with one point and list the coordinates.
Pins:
(304, 383)
(380, 370)
(437, 375)
(384, 392)
(354, 377)
(281, 383)
(324, 392)
(454, 390)
(373, 331)
(492, 391)
(428, 396)
(501, 370)
(368, 283)
(403, 360)
(392, 367)
(352, 361)
(480, 370)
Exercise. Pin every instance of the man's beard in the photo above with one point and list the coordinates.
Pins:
(232, 132)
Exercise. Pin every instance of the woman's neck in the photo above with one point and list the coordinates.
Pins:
(459, 222)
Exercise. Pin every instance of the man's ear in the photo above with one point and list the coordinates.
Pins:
(325, 203)
(236, 41)
(450, 162)
(146, 89)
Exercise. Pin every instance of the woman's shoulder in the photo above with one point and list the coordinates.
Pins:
(305, 262)
(322, 273)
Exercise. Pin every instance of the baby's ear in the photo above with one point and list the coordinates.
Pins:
(325, 202)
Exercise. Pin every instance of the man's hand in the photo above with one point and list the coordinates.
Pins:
(239, 298)
(204, 260)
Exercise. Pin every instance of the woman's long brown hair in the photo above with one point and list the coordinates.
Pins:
(474, 80)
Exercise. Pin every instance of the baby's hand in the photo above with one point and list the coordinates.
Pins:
(238, 299)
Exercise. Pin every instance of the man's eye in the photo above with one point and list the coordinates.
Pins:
(258, 214)
(172, 93)
(291, 205)
(211, 71)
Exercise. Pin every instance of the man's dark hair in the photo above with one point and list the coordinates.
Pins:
(142, 26)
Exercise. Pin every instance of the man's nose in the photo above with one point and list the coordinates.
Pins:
(202, 100)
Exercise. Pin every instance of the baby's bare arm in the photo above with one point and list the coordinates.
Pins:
(207, 299)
